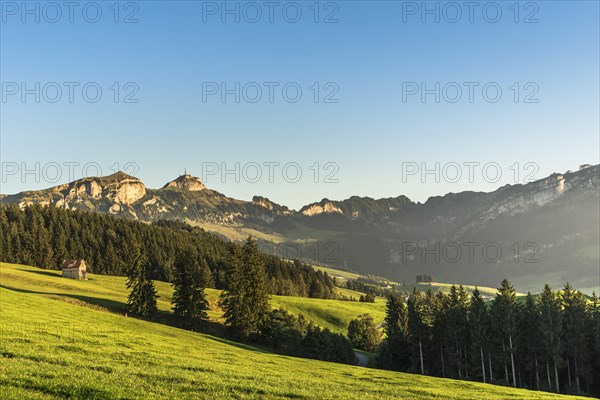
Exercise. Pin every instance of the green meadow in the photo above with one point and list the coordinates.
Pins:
(109, 292)
(60, 340)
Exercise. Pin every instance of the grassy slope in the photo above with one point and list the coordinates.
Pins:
(343, 276)
(54, 348)
(334, 314)
(110, 292)
(340, 275)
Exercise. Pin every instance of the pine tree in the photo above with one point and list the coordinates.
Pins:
(457, 329)
(574, 306)
(593, 347)
(420, 322)
(478, 332)
(190, 279)
(551, 330)
(142, 297)
(504, 307)
(396, 316)
(439, 332)
(394, 351)
(232, 298)
(246, 300)
(529, 334)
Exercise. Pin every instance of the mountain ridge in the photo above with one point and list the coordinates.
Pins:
(559, 214)
(187, 182)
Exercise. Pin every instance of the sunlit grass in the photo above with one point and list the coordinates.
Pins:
(58, 346)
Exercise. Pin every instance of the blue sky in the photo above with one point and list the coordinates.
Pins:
(365, 139)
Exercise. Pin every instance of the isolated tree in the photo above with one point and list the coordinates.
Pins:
(191, 278)
(142, 296)
(246, 299)
(363, 333)
(551, 331)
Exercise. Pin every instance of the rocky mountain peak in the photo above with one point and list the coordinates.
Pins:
(118, 177)
(263, 202)
(186, 182)
(324, 206)
(120, 188)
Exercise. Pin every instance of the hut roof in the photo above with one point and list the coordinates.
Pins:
(72, 263)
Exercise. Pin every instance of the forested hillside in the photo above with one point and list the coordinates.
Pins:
(549, 341)
(45, 236)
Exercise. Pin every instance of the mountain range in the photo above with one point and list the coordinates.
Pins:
(542, 231)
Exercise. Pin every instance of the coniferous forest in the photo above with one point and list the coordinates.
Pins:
(549, 341)
(45, 236)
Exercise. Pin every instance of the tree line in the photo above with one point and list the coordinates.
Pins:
(549, 342)
(44, 236)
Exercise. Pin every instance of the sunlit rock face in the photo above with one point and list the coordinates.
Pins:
(325, 207)
(521, 198)
(127, 190)
(186, 182)
(118, 188)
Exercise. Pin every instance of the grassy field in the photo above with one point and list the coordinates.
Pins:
(343, 276)
(59, 346)
(109, 292)
(333, 314)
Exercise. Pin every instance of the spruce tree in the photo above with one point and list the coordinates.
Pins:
(394, 352)
(190, 279)
(457, 329)
(396, 316)
(504, 307)
(574, 306)
(420, 322)
(439, 332)
(142, 295)
(478, 332)
(246, 300)
(593, 347)
(551, 331)
(528, 347)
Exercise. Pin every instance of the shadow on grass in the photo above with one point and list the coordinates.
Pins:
(42, 272)
(112, 305)
(240, 345)
(215, 330)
